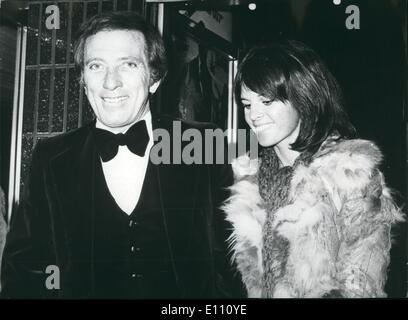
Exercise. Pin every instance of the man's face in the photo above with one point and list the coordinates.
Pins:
(117, 77)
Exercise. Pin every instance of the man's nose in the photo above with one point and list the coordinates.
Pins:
(256, 112)
(112, 80)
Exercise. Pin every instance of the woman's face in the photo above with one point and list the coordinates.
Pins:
(275, 123)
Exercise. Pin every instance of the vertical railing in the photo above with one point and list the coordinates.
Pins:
(160, 17)
(37, 76)
(17, 125)
(232, 107)
(67, 68)
(52, 81)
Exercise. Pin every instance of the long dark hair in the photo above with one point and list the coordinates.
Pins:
(293, 72)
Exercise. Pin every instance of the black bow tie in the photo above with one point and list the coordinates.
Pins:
(136, 139)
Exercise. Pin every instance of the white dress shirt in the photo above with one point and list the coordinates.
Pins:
(125, 173)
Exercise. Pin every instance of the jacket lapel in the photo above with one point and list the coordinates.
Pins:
(160, 194)
(183, 206)
(73, 174)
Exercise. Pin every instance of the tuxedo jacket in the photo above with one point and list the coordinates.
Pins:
(54, 223)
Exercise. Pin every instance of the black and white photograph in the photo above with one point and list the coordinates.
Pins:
(223, 150)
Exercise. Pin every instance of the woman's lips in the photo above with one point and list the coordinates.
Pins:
(261, 128)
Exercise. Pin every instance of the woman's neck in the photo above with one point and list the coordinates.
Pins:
(286, 155)
(283, 150)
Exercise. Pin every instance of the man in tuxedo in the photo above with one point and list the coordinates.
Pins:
(109, 222)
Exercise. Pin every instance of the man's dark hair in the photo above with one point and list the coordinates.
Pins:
(293, 72)
(154, 49)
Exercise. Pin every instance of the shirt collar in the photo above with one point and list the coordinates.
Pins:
(147, 117)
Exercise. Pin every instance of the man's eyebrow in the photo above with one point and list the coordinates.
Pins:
(130, 58)
(93, 59)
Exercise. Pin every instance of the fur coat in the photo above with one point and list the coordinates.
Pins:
(337, 225)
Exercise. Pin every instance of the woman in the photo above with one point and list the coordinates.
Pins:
(312, 215)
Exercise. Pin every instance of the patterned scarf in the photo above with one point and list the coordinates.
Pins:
(274, 187)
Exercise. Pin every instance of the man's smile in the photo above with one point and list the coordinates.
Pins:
(117, 99)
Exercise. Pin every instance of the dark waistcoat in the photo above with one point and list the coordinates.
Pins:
(131, 252)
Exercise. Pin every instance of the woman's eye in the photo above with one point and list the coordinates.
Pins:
(94, 66)
(246, 106)
(267, 102)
